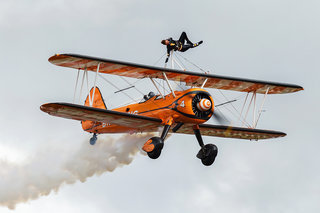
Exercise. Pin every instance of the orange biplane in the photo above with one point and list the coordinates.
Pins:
(183, 112)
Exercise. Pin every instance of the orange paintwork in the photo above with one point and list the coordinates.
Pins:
(139, 71)
(97, 99)
(169, 109)
(148, 147)
(156, 112)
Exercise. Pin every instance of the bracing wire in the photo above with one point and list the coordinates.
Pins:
(243, 120)
(192, 63)
(178, 85)
(180, 61)
(116, 87)
(131, 85)
(226, 107)
(162, 86)
(159, 59)
(234, 108)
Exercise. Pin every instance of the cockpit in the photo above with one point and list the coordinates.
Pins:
(147, 97)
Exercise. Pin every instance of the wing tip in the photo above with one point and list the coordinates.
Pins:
(48, 107)
(56, 57)
(52, 58)
(298, 88)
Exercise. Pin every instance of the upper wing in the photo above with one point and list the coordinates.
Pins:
(79, 112)
(190, 78)
(232, 132)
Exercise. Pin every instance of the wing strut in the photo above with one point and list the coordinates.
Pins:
(95, 84)
(87, 77)
(260, 110)
(181, 67)
(253, 100)
(165, 76)
(84, 75)
(82, 82)
(204, 83)
(154, 83)
(169, 85)
(76, 86)
(248, 110)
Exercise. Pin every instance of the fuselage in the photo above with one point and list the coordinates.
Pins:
(181, 109)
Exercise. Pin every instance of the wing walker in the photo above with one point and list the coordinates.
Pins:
(183, 112)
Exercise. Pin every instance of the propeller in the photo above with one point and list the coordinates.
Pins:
(218, 115)
(201, 106)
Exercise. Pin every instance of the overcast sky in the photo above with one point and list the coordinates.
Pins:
(273, 40)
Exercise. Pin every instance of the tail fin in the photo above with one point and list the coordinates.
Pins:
(94, 99)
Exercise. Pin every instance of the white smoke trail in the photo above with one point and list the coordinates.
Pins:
(48, 171)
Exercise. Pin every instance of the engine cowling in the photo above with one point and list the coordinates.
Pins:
(194, 106)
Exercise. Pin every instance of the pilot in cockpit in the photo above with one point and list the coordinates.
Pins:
(150, 95)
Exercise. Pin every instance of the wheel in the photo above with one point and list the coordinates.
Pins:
(154, 154)
(153, 147)
(93, 140)
(208, 154)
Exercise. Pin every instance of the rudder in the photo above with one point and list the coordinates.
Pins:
(98, 101)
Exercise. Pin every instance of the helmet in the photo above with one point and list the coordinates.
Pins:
(151, 94)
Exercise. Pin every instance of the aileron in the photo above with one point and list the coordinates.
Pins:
(232, 132)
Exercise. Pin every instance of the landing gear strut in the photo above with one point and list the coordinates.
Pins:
(208, 152)
(94, 138)
(154, 145)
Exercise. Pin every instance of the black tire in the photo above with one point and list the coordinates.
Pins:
(93, 140)
(158, 143)
(154, 154)
(210, 155)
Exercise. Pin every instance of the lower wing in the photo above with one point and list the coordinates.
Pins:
(81, 113)
(143, 123)
(232, 132)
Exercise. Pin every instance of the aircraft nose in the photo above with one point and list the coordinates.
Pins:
(204, 105)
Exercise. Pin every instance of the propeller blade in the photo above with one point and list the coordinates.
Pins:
(219, 117)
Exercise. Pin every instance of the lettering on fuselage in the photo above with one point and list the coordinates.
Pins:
(134, 112)
(105, 124)
(182, 104)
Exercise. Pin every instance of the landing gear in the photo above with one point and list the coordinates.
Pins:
(94, 138)
(154, 145)
(208, 152)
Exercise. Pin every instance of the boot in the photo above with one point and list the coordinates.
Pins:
(197, 44)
